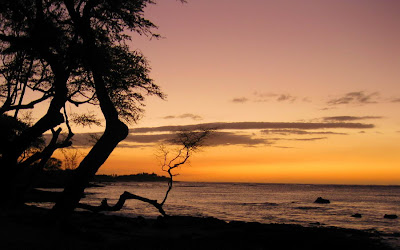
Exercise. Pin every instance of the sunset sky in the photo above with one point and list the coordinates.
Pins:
(301, 91)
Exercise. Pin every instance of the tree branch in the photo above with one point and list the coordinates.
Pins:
(29, 105)
(120, 203)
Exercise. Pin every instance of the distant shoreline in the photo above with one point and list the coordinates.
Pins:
(59, 178)
(141, 177)
(305, 184)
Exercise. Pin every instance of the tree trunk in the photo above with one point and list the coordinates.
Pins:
(9, 160)
(72, 194)
(115, 132)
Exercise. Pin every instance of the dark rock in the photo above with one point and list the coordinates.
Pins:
(237, 223)
(357, 215)
(390, 216)
(321, 200)
(316, 223)
(211, 221)
(160, 222)
(140, 220)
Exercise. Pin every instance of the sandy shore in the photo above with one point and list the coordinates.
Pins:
(33, 228)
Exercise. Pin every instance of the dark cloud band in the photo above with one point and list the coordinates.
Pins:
(233, 135)
(349, 118)
(255, 125)
(359, 98)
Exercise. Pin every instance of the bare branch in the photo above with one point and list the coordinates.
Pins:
(120, 203)
(29, 105)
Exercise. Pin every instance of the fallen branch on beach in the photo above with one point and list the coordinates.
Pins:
(120, 203)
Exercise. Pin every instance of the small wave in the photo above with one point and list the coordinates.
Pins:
(260, 204)
(386, 195)
(269, 217)
(270, 204)
(308, 208)
(190, 186)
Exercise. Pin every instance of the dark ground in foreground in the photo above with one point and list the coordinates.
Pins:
(33, 228)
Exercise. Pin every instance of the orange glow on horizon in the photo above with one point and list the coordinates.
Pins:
(361, 165)
(274, 61)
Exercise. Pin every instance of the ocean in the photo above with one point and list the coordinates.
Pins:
(265, 203)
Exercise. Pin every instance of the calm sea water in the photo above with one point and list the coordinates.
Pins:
(266, 203)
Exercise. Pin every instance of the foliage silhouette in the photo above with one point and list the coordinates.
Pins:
(71, 52)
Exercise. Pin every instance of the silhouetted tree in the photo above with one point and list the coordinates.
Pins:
(31, 32)
(81, 57)
(71, 158)
(188, 142)
(10, 128)
(53, 164)
(171, 158)
(117, 74)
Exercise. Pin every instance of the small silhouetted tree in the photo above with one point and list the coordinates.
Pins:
(188, 142)
(53, 164)
(71, 158)
(171, 156)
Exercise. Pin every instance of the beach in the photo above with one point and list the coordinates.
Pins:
(33, 228)
(216, 216)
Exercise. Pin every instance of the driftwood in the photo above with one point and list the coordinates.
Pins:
(120, 203)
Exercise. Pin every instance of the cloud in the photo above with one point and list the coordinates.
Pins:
(255, 125)
(348, 118)
(230, 138)
(145, 140)
(267, 97)
(217, 139)
(184, 116)
(264, 97)
(153, 138)
(359, 97)
(191, 116)
(138, 146)
(282, 98)
(298, 132)
(169, 117)
(84, 140)
(310, 139)
(240, 100)
(234, 133)
(395, 100)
